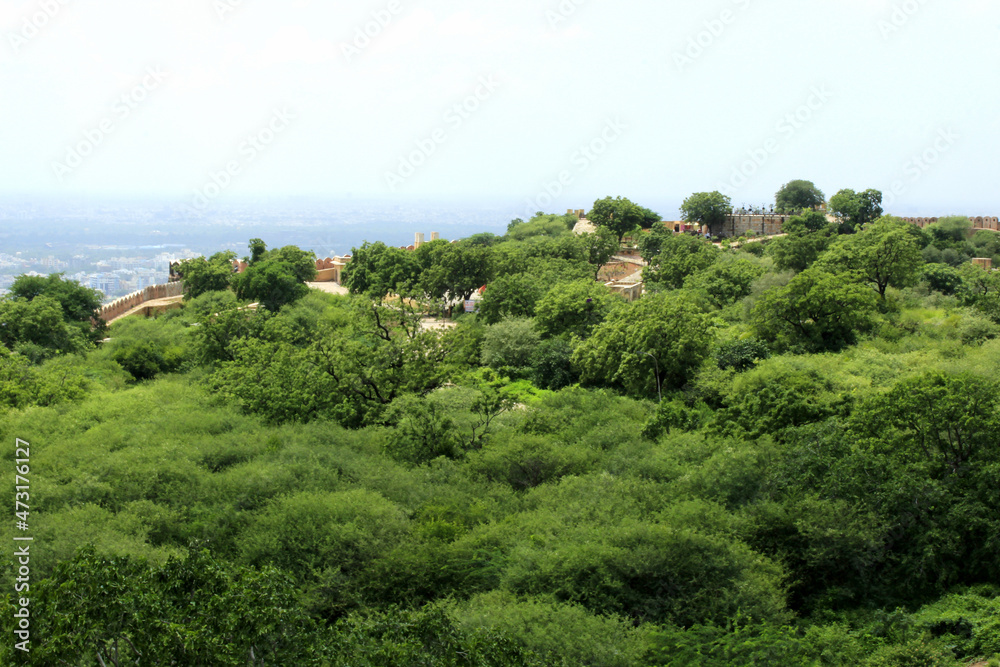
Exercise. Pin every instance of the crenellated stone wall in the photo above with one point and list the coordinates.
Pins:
(979, 222)
(119, 307)
(738, 225)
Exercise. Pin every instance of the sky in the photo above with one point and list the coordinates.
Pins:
(545, 105)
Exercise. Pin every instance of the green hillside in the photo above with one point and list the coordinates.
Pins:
(325, 480)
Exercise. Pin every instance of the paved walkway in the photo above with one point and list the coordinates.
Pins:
(329, 288)
(154, 304)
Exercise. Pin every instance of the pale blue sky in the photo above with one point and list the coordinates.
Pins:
(174, 89)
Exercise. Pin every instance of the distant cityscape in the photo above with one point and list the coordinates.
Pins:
(124, 247)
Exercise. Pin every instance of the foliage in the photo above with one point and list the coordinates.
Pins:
(459, 270)
(79, 304)
(377, 270)
(37, 329)
(541, 225)
(680, 256)
(883, 255)
(512, 295)
(796, 196)
(706, 208)
(573, 308)
(277, 278)
(510, 344)
(676, 336)
(816, 311)
(552, 364)
(203, 275)
(741, 355)
(600, 247)
(195, 611)
(727, 281)
(620, 216)
(854, 210)
(942, 278)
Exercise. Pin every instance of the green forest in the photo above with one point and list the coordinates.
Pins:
(785, 453)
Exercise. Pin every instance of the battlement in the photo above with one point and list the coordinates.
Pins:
(977, 222)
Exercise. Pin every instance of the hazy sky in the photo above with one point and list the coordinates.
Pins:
(205, 101)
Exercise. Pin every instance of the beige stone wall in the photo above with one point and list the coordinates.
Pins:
(121, 306)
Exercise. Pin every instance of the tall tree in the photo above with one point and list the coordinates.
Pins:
(619, 215)
(659, 340)
(856, 209)
(816, 311)
(600, 246)
(203, 275)
(883, 254)
(707, 208)
(679, 256)
(377, 270)
(796, 196)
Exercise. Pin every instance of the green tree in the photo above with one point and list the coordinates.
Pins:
(726, 282)
(203, 275)
(197, 611)
(509, 345)
(942, 278)
(856, 209)
(377, 270)
(707, 208)
(512, 295)
(980, 289)
(680, 256)
(257, 250)
(796, 196)
(797, 252)
(37, 329)
(662, 337)
(78, 303)
(883, 254)
(816, 311)
(947, 420)
(271, 282)
(619, 216)
(459, 270)
(600, 247)
(573, 308)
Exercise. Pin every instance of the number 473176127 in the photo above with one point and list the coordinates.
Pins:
(21, 469)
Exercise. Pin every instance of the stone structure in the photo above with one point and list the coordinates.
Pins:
(985, 263)
(630, 291)
(579, 213)
(331, 269)
(978, 223)
(119, 307)
(738, 225)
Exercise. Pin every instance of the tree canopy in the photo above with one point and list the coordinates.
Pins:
(798, 196)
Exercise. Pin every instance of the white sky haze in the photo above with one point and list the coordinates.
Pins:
(649, 99)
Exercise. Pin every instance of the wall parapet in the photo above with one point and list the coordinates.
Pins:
(120, 306)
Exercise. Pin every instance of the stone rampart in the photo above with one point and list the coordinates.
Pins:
(738, 225)
(119, 307)
(979, 222)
